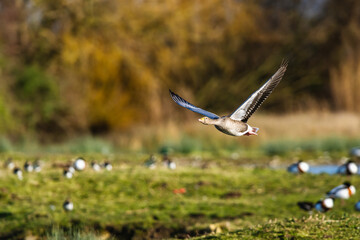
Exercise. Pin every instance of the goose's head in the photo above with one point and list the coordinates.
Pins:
(205, 120)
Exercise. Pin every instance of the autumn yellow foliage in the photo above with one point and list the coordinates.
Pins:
(108, 65)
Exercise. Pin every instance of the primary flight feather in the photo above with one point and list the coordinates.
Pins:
(235, 124)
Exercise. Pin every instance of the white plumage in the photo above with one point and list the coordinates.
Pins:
(79, 164)
(68, 205)
(68, 174)
(344, 191)
(299, 167)
(18, 173)
(349, 168)
(108, 166)
(324, 205)
(96, 167)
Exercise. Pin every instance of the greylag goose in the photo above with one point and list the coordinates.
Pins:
(235, 124)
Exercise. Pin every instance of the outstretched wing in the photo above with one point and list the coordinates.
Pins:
(182, 102)
(244, 112)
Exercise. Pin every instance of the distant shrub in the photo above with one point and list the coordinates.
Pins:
(6, 121)
(73, 234)
(330, 144)
(38, 96)
(89, 145)
(5, 145)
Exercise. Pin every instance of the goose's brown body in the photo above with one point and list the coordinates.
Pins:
(229, 126)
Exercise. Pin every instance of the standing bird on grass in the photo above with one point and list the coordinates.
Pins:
(37, 166)
(349, 168)
(235, 124)
(67, 173)
(344, 191)
(323, 205)
(10, 164)
(28, 167)
(68, 205)
(17, 171)
(79, 164)
(299, 167)
(95, 166)
(107, 165)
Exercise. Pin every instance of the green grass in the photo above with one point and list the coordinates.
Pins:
(314, 227)
(71, 234)
(133, 201)
(316, 146)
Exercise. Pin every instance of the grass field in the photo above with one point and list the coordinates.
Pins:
(223, 196)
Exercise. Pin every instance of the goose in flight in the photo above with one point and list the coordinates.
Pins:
(235, 124)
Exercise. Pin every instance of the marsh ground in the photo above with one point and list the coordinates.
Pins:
(222, 195)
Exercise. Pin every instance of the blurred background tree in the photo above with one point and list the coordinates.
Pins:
(69, 67)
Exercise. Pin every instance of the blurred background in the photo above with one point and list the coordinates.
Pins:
(90, 79)
(73, 69)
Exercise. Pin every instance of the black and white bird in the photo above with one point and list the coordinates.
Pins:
(344, 191)
(95, 166)
(17, 171)
(28, 167)
(323, 205)
(71, 168)
(235, 124)
(37, 166)
(349, 168)
(299, 167)
(68, 205)
(67, 173)
(108, 166)
(79, 164)
(305, 205)
(9, 164)
(168, 162)
(151, 162)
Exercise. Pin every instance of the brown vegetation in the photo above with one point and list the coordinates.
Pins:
(96, 66)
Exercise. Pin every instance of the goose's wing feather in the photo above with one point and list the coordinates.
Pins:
(182, 102)
(244, 112)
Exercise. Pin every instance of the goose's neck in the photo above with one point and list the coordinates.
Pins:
(214, 121)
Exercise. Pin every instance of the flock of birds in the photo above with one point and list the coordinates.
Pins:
(343, 191)
(69, 170)
(151, 162)
(78, 165)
